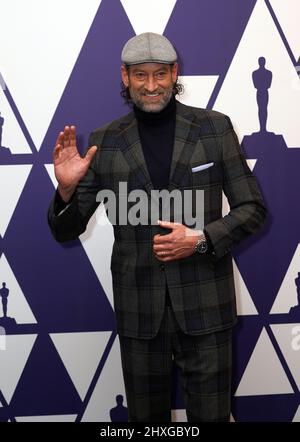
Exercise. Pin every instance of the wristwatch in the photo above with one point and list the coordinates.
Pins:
(201, 245)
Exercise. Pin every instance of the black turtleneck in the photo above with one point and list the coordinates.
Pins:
(157, 132)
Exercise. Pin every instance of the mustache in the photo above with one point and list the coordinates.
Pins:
(157, 91)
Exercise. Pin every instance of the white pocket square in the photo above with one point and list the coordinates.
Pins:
(202, 167)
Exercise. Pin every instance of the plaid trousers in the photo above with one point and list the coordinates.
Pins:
(204, 363)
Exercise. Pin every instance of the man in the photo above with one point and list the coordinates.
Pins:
(173, 285)
(262, 80)
(4, 292)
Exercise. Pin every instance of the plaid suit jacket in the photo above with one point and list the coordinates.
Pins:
(201, 287)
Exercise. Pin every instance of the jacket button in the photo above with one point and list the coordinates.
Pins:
(162, 267)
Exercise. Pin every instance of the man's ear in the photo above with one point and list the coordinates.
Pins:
(125, 76)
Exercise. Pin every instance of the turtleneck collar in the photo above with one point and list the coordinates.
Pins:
(156, 117)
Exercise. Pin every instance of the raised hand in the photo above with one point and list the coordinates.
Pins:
(69, 166)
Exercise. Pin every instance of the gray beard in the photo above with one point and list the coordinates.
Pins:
(152, 107)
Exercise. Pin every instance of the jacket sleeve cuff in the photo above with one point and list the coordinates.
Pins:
(219, 237)
(59, 204)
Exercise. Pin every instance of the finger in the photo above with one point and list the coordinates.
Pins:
(73, 135)
(162, 247)
(163, 258)
(59, 139)
(168, 224)
(66, 136)
(168, 259)
(90, 153)
(57, 149)
(155, 238)
(163, 251)
(163, 239)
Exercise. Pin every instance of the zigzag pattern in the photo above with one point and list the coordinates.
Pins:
(60, 348)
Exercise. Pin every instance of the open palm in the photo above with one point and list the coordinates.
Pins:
(69, 166)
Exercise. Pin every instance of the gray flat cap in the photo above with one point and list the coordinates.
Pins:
(148, 48)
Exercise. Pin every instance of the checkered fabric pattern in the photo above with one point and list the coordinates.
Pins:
(204, 365)
(201, 287)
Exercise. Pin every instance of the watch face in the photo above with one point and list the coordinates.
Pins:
(202, 247)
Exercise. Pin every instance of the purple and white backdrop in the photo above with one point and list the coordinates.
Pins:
(60, 64)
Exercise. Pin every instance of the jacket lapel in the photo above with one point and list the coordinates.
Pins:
(186, 137)
(129, 143)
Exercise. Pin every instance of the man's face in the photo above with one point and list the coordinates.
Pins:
(150, 84)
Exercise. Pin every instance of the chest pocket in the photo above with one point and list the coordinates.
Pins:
(206, 174)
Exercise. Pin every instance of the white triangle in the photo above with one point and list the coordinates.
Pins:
(197, 89)
(288, 15)
(17, 305)
(284, 93)
(81, 354)
(225, 204)
(109, 385)
(245, 305)
(264, 374)
(251, 164)
(55, 418)
(46, 39)
(297, 415)
(12, 182)
(12, 135)
(13, 361)
(232, 418)
(1, 404)
(148, 17)
(288, 338)
(99, 231)
(179, 415)
(287, 294)
(50, 170)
